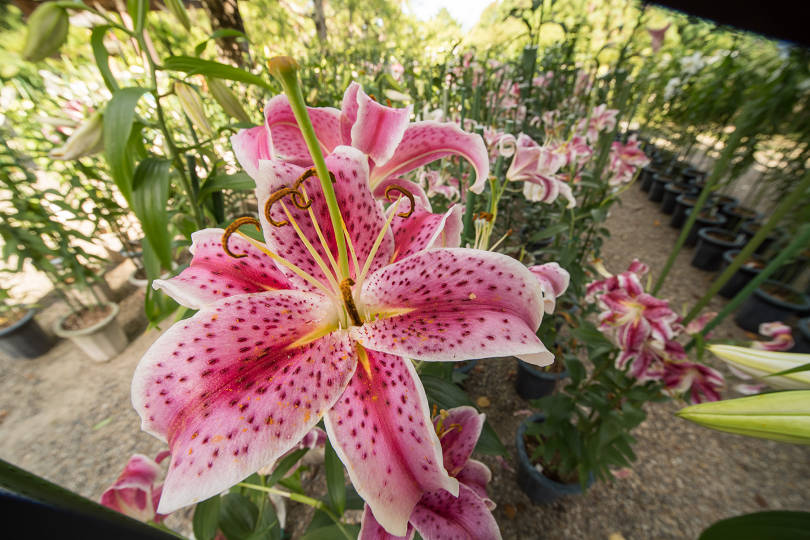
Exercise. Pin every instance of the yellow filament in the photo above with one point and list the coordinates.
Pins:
(362, 356)
(318, 231)
(320, 262)
(378, 241)
(351, 246)
(287, 264)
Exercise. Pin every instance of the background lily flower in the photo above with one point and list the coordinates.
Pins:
(86, 140)
(136, 493)
(760, 364)
(781, 334)
(394, 144)
(280, 341)
(554, 281)
(625, 160)
(601, 119)
(537, 167)
(439, 514)
(780, 416)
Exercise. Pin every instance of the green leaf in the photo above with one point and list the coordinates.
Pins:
(137, 10)
(335, 481)
(237, 182)
(797, 369)
(237, 516)
(333, 532)
(150, 196)
(206, 518)
(102, 57)
(118, 118)
(774, 525)
(548, 232)
(446, 395)
(284, 466)
(221, 33)
(193, 66)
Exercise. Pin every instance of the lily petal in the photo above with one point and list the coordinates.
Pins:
(213, 274)
(362, 214)
(440, 515)
(381, 431)
(287, 142)
(553, 280)
(230, 392)
(460, 431)
(427, 141)
(423, 230)
(132, 493)
(476, 476)
(420, 197)
(250, 146)
(370, 529)
(462, 303)
(377, 129)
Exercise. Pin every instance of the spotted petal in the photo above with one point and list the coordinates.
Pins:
(476, 476)
(287, 142)
(213, 274)
(230, 391)
(250, 146)
(427, 141)
(460, 431)
(377, 129)
(463, 304)
(362, 214)
(423, 229)
(440, 515)
(382, 432)
(370, 529)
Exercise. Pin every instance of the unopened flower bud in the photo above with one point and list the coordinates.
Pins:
(226, 99)
(48, 28)
(87, 139)
(192, 106)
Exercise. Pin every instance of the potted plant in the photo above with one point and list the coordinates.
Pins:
(20, 335)
(742, 276)
(706, 218)
(712, 243)
(671, 192)
(772, 301)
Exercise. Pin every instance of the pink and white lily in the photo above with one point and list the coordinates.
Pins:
(394, 145)
(601, 119)
(537, 167)
(136, 493)
(438, 514)
(625, 160)
(280, 340)
(781, 334)
(554, 280)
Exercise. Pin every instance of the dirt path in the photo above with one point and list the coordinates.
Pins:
(71, 421)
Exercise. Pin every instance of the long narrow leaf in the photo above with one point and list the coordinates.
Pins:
(118, 119)
(102, 57)
(150, 195)
(192, 66)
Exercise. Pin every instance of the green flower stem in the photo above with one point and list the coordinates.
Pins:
(799, 241)
(285, 70)
(719, 169)
(297, 497)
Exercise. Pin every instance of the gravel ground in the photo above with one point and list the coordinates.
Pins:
(71, 421)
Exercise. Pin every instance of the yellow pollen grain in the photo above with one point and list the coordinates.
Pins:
(472, 296)
(217, 438)
(190, 450)
(214, 317)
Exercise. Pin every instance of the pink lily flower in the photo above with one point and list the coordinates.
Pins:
(394, 145)
(657, 36)
(438, 514)
(625, 160)
(436, 184)
(135, 493)
(280, 341)
(781, 334)
(537, 167)
(601, 119)
(554, 281)
(702, 382)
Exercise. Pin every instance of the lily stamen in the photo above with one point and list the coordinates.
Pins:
(348, 301)
(312, 251)
(403, 191)
(297, 196)
(234, 227)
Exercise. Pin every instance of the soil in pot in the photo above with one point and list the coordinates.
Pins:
(95, 331)
(742, 276)
(22, 337)
(750, 228)
(704, 219)
(657, 187)
(533, 382)
(772, 301)
(712, 243)
(736, 215)
(539, 486)
(86, 317)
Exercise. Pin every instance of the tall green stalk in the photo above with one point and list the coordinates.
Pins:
(779, 213)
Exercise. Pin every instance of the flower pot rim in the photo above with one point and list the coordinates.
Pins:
(543, 374)
(719, 219)
(61, 332)
(781, 303)
(676, 187)
(732, 207)
(705, 231)
(729, 255)
(22, 322)
(566, 489)
(682, 199)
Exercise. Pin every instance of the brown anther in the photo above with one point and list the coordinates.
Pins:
(232, 228)
(388, 102)
(348, 301)
(298, 198)
(372, 97)
(403, 191)
(485, 216)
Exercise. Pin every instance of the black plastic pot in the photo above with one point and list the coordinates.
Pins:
(726, 200)
(750, 228)
(646, 177)
(741, 277)
(703, 220)
(691, 175)
(791, 271)
(735, 215)
(539, 488)
(763, 306)
(802, 337)
(657, 187)
(682, 203)
(671, 192)
(709, 251)
(533, 383)
(25, 338)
